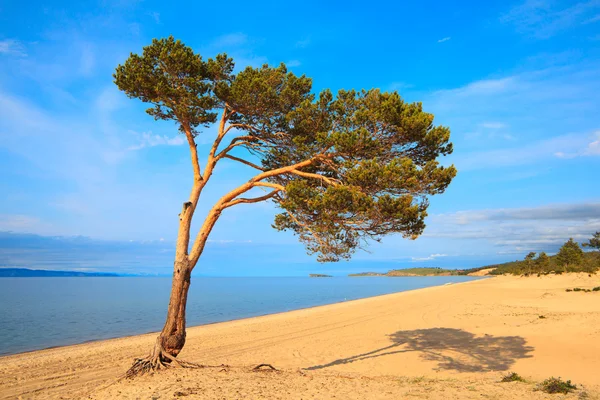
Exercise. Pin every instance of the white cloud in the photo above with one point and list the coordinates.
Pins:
(593, 148)
(148, 139)
(562, 147)
(13, 47)
(429, 258)
(580, 149)
(447, 38)
(293, 63)
(488, 86)
(230, 40)
(543, 19)
(515, 230)
(19, 223)
(546, 114)
(469, 94)
(493, 125)
(396, 86)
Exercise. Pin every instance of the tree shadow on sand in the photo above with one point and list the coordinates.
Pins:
(452, 349)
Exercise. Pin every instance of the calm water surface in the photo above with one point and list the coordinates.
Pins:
(37, 313)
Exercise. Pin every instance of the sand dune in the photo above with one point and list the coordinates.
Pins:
(453, 341)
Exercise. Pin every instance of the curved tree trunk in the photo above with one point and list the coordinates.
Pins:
(171, 339)
(172, 336)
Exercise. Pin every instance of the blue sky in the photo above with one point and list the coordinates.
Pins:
(517, 82)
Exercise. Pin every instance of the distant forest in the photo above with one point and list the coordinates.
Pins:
(570, 258)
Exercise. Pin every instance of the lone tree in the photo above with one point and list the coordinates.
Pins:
(342, 169)
(594, 242)
(569, 254)
(529, 263)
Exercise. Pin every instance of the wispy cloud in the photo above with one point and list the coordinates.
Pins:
(293, 63)
(565, 146)
(12, 47)
(148, 139)
(82, 189)
(156, 16)
(543, 19)
(540, 113)
(516, 230)
(595, 18)
(397, 86)
(486, 87)
(230, 40)
(493, 125)
(88, 60)
(240, 47)
(429, 258)
(591, 149)
(447, 38)
(303, 43)
(21, 223)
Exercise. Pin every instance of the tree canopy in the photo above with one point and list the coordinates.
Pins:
(594, 242)
(570, 253)
(343, 168)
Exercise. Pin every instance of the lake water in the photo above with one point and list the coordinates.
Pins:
(37, 313)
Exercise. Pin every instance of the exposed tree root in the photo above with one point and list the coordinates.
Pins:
(157, 360)
(259, 367)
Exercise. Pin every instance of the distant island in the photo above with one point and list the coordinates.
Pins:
(428, 271)
(37, 273)
(320, 276)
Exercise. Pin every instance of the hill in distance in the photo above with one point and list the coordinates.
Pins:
(37, 273)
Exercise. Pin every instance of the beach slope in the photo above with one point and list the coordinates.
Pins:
(453, 341)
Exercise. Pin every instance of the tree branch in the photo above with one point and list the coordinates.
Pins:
(248, 163)
(215, 212)
(236, 141)
(193, 152)
(251, 200)
(212, 160)
(271, 185)
(232, 126)
(332, 182)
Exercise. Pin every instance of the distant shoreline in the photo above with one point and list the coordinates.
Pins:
(427, 271)
(267, 314)
(42, 273)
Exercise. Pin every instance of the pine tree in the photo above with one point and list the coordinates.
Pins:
(594, 242)
(570, 254)
(343, 168)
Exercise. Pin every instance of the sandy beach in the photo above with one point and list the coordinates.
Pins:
(452, 342)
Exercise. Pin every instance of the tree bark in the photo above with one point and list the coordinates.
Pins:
(172, 336)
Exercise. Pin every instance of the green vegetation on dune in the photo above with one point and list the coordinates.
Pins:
(369, 274)
(556, 385)
(570, 258)
(425, 271)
